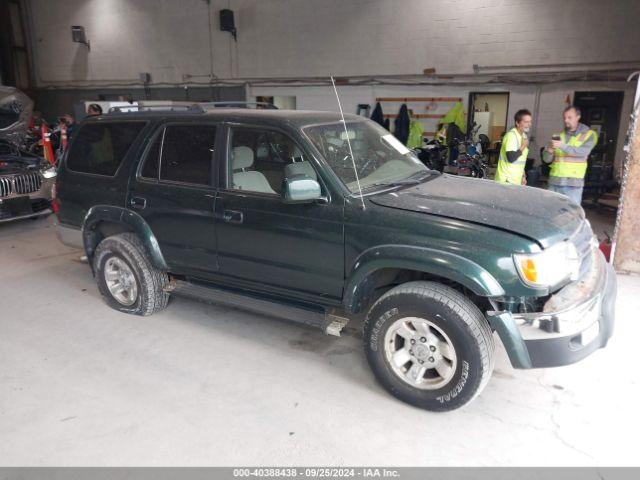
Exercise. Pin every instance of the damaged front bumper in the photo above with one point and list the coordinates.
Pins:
(575, 321)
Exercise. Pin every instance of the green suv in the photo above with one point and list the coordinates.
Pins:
(307, 217)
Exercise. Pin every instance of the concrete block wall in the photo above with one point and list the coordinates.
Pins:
(308, 38)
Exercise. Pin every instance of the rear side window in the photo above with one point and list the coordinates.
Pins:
(99, 148)
(187, 153)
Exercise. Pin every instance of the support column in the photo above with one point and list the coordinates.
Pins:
(627, 232)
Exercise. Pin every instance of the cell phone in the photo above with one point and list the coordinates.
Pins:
(555, 137)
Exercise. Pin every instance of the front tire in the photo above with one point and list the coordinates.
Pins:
(127, 279)
(429, 346)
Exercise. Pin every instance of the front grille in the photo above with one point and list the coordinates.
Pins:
(27, 183)
(6, 186)
(20, 184)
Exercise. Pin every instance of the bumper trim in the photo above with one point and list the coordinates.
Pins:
(41, 213)
(505, 325)
(69, 236)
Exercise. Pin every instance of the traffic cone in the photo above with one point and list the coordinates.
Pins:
(46, 145)
(63, 137)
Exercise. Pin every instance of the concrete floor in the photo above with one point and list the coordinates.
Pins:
(81, 384)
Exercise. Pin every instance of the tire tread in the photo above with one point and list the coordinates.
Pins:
(459, 305)
(153, 281)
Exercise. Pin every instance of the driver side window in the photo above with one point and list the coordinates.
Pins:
(260, 160)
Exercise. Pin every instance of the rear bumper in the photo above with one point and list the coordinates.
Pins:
(68, 235)
(581, 322)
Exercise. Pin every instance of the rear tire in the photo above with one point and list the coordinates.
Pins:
(429, 346)
(127, 279)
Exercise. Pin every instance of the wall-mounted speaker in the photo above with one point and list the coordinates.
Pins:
(227, 22)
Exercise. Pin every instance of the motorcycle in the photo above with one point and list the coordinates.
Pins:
(470, 161)
(434, 155)
(462, 157)
(467, 165)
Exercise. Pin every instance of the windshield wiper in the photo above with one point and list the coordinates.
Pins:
(406, 181)
(411, 180)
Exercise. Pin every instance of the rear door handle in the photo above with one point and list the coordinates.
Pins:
(232, 216)
(138, 202)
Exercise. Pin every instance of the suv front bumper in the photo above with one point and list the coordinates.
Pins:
(575, 322)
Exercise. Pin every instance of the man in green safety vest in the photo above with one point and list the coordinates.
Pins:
(568, 153)
(514, 150)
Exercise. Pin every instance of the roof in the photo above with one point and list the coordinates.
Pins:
(296, 118)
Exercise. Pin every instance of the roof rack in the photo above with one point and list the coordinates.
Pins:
(189, 107)
(231, 104)
(175, 107)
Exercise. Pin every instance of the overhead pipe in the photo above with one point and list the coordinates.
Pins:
(404, 80)
(603, 66)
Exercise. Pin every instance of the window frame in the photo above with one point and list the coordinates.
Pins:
(124, 158)
(151, 139)
(161, 130)
(227, 171)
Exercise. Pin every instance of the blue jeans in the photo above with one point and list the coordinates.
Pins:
(574, 193)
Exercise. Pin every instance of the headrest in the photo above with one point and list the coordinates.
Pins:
(242, 157)
(262, 151)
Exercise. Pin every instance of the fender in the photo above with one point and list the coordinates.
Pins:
(427, 260)
(130, 219)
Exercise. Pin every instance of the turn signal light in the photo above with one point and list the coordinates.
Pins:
(529, 270)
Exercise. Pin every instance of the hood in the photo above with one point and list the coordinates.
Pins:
(537, 214)
(14, 162)
(15, 114)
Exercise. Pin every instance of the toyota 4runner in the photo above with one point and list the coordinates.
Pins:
(308, 217)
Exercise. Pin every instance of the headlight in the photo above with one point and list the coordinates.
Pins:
(549, 267)
(49, 172)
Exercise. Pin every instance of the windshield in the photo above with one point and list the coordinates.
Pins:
(379, 157)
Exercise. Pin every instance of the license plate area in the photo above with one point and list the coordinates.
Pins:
(14, 207)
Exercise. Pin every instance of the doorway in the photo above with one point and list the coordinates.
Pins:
(489, 111)
(283, 102)
(601, 112)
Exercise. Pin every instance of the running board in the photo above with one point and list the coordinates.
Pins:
(328, 323)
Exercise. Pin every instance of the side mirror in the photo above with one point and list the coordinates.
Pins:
(301, 189)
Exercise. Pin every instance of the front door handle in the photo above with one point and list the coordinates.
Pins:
(232, 216)
(138, 202)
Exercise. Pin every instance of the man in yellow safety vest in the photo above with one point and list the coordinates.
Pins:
(514, 150)
(568, 152)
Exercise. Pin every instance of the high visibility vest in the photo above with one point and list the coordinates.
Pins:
(567, 166)
(511, 172)
(415, 134)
